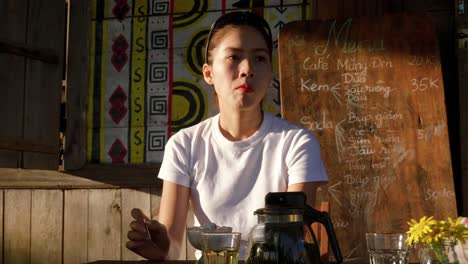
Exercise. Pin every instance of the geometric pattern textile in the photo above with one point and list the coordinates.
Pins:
(145, 71)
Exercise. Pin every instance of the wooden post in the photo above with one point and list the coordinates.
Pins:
(461, 20)
(77, 85)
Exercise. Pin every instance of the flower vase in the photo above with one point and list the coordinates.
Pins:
(438, 254)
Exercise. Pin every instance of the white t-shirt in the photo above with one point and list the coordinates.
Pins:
(229, 180)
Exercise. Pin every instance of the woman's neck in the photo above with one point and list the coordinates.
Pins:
(236, 126)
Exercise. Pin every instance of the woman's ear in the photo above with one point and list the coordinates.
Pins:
(207, 74)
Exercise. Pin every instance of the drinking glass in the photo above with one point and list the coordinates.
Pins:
(464, 247)
(220, 248)
(387, 248)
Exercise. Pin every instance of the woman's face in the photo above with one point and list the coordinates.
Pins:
(241, 68)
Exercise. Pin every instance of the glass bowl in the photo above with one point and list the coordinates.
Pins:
(194, 233)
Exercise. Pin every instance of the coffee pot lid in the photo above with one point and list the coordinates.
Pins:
(283, 203)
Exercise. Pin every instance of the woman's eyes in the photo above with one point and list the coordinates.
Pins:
(259, 58)
(234, 57)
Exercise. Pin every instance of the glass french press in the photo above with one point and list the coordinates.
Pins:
(283, 235)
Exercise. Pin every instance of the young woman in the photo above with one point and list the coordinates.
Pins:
(226, 164)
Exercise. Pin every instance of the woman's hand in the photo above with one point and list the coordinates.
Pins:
(147, 238)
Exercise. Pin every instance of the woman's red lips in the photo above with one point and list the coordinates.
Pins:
(245, 88)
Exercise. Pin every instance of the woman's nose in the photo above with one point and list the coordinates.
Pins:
(245, 68)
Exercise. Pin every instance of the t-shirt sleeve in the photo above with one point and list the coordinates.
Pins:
(304, 160)
(174, 167)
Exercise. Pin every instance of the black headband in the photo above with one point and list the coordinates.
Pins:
(239, 18)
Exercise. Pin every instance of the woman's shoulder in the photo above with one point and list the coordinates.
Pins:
(283, 124)
(288, 130)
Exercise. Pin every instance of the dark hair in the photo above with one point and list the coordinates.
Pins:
(240, 18)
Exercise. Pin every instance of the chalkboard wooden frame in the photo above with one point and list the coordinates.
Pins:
(371, 90)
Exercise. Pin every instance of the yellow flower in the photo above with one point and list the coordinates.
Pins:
(456, 230)
(432, 232)
(421, 231)
(436, 234)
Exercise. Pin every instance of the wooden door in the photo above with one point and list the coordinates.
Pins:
(31, 57)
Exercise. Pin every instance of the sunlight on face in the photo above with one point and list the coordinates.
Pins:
(241, 70)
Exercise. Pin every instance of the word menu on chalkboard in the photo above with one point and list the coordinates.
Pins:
(371, 90)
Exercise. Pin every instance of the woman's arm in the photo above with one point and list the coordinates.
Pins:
(159, 240)
(173, 214)
(309, 188)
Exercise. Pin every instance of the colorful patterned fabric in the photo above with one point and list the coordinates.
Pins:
(145, 71)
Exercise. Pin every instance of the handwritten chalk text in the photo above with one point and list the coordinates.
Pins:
(314, 125)
(314, 65)
(341, 36)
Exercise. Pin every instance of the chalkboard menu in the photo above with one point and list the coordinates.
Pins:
(371, 90)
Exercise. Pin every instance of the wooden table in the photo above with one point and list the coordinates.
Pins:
(144, 262)
(173, 262)
(169, 262)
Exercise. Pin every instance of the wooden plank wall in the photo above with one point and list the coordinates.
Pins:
(70, 226)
